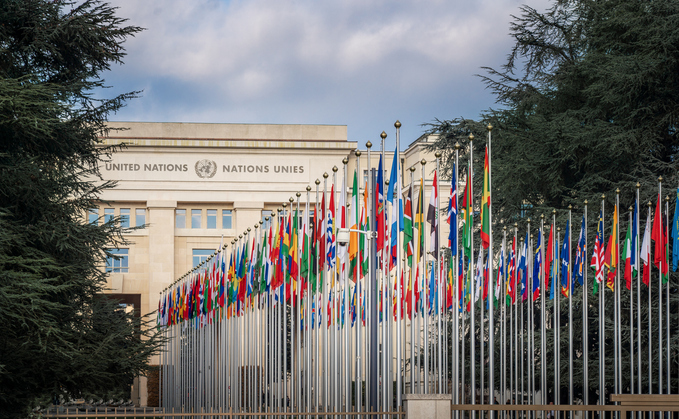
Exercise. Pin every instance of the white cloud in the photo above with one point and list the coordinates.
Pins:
(278, 60)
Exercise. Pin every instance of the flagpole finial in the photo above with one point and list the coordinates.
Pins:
(603, 196)
(368, 145)
(542, 216)
(257, 225)
(308, 188)
(383, 135)
(345, 160)
(267, 218)
(457, 146)
(471, 137)
(667, 198)
(617, 191)
(386, 182)
(659, 178)
(516, 225)
(649, 204)
(504, 228)
(358, 153)
(554, 211)
(397, 124)
(240, 236)
(489, 127)
(318, 182)
(528, 219)
(284, 205)
(412, 169)
(291, 199)
(437, 154)
(249, 229)
(631, 208)
(423, 162)
(585, 202)
(638, 185)
(570, 207)
(558, 229)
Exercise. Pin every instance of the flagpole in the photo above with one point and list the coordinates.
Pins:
(631, 307)
(384, 295)
(660, 268)
(455, 337)
(346, 378)
(515, 315)
(399, 363)
(543, 314)
(531, 322)
(616, 287)
(491, 314)
(442, 368)
(635, 240)
(602, 329)
(585, 333)
(424, 298)
(472, 329)
(667, 288)
(357, 291)
(557, 314)
(503, 304)
(413, 305)
(570, 312)
(650, 342)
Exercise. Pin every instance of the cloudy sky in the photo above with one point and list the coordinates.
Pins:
(360, 63)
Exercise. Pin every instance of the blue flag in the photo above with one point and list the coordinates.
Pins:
(565, 262)
(452, 213)
(393, 178)
(537, 268)
(523, 268)
(635, 239)
(580, 255)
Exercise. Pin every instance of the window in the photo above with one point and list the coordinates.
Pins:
(119, 263)
(139, 217)
(266, 224)
(200, 255)
(93, 215)
(227, 219)
(212, 218)
(125, 217)
(108, 214)
(196, 215)
(180, 218)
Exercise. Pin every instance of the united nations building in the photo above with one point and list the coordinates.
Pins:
(195, 186)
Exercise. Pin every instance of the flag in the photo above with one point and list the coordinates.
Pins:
(511, 270)
(675, 234)
(379, 204)
(452, 214)
(537, 268)
(500, 273)
(341, 217)
(432, 219)
(598, 255)
(645, 253)
(565, 262)
(611, 256)
(353, 220)
(485, 205)
(478, 274)
(659, 235)
(408, 228)
(549, 257)
(364, 240)
(419, 220)
(580, 255)
(523, 269)
(393, 178)
(627, 253)
(330, 230)
(635, 239)
(467, 216)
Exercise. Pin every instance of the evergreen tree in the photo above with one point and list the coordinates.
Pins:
(588, 101)
(60, 336)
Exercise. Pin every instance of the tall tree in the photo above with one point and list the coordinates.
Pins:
(60, 337)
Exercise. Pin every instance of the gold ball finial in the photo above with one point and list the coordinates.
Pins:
(542, 216)
(471, 137)
(368, 145)
(273, 214)
(659, 178)
(585, 202)
(383, 135)
(531, 236)
(285, 205)
(240, 236)
(423, 162)
(667, 198)
(386, 182)
(554, 211)
(266, 218)
(570, 206)
(516, 225)
(325, 175)
(603, 196)
(318, 182)
(358, 153)
(649, 204)
(257, 225)
(397, 124)
(631, 208)
(345, 160)
(457, 146)
(638, 185)
(335, 169)
(504, 228)
(412, 169)
(489, 127)
(291, 199)
(558, 229)
(437, 154)
(617, 191)
(528, 219)
(249, 229)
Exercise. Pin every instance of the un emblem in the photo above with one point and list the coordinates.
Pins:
(205, 169)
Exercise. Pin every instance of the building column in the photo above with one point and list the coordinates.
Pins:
(247, 214)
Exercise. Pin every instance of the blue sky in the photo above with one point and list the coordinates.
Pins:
(359, 63)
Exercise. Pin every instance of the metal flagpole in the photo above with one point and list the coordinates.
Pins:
(631, 314)
(455, 336)
(345, 301)
(491, 319)
(585, 333)
(308, 321)
(667, 291)
(557, 313)
(650, 342)
(319, 344)
(530, 333)
(472, 330)
(503, 305)
(660, 268)
(616, 293)
(602, 330)
(399, 362)
(357, 293)
(413, 304)
(543, 315)
(570, 311)
(439, 281)
(335, 345)
(424, 284)
(323, 306)
(384, 295)
(638, 266)
(523, 357)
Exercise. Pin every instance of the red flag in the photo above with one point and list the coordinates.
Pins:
(549, 257)
(657, 236)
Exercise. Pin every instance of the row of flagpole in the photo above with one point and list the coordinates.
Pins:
(279, 330)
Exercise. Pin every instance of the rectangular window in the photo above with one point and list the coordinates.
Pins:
(266, 224)
(180, 218)
(125, 217)
(212, 218)
(139, 217)
(108, 214)
(195, 218)
(119, 263)
(227, 219)
(93, 216)
(200, 255)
